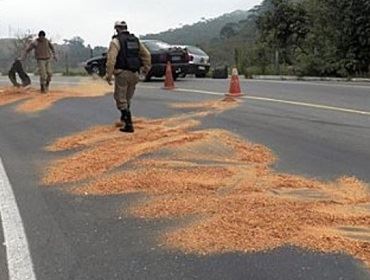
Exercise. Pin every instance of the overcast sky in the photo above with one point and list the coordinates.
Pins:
(93, 20)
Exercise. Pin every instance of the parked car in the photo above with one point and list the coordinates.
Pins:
(199, 61)
(161, 53)
(96, 65)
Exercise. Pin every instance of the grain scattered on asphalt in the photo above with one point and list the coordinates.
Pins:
(10, 95)
(34, 101)
(227, 183)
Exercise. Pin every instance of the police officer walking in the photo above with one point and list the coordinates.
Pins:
(43, 50)
(126, 57)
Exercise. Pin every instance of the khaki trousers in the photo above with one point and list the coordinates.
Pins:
(45, 71)
(124, 88)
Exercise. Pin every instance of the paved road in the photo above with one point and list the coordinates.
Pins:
(84, 238)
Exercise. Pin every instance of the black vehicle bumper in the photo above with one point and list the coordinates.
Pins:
(198, 68)
(159, 70)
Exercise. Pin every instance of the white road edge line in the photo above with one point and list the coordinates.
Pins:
(364, 85)
(296, 103)
(20, 265)
(312, 105)
(323, 83)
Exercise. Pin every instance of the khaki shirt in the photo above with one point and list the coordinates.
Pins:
(112, 54)
(42, 48)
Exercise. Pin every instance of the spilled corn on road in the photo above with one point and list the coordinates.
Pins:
(273, 186)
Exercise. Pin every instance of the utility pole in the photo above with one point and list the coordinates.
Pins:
(277, 63)
(66, 58)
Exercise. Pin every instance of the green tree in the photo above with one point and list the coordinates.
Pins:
(74, 52)
(229, 30)
(350, 20)
(284, 27)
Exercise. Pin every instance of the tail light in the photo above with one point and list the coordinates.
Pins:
(187, 57)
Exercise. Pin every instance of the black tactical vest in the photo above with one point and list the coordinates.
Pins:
(128, 57)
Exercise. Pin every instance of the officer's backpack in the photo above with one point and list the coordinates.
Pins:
(129, 58)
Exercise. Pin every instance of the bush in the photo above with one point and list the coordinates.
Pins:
(269, 70)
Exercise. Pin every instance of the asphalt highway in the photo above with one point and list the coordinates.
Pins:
(317, 129)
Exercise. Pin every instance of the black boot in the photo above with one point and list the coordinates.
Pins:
(123, 116)
(43, 90)
(126, 118)
(47, 85)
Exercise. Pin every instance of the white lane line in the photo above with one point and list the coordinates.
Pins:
(20, 265)
(294, 82)
(338, 84)
(148, 87)
(289, 102)
(199, 91)
(311, 105)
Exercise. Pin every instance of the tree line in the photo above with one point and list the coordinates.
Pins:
(293, 37)
(306, 37)
(71, 54)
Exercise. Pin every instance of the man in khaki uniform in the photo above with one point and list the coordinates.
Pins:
(126, 57)
(43, 50)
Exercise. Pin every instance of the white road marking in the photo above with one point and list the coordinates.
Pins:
(199, 91)
(290, 102)
(335, 84)
(294, 82)
(147, 87)
(312, 105)
(20, 265)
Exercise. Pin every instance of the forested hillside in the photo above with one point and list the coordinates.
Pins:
(297, 37)
(200, 32)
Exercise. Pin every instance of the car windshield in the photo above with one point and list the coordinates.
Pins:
(156, 45)
(195, 50)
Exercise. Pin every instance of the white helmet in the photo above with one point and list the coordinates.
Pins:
(120, 23)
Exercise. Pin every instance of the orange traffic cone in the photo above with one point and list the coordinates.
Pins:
(235, 90)
(168, 82)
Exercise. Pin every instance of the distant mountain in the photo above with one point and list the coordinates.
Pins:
(200, 32)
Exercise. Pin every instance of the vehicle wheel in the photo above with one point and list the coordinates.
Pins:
(175, 76)
(102, 72)
(147, 78)
(200, 75)
(95, 70)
